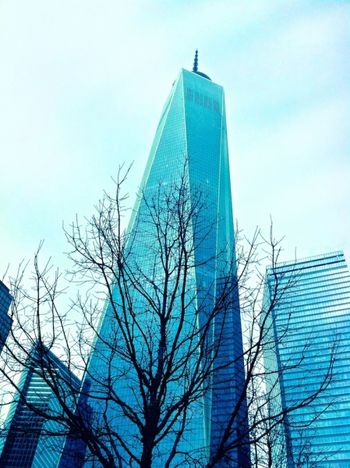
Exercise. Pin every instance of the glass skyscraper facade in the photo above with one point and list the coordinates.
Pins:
(28, 439)
(5, 320)
(189, 149)
(311, 334)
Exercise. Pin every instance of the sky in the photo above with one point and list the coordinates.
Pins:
(82, 85)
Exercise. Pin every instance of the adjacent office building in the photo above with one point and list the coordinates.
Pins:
(5, 320)
(28, 439)
(189, 153)
(310, 327)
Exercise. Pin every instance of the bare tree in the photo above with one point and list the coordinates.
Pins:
(151, 367)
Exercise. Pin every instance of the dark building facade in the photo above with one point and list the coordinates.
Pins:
(5, 320)
(29, 440)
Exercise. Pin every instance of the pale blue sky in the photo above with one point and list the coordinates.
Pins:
(82, 85)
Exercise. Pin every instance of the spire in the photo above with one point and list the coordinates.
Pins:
(195, 63)
(195, 67)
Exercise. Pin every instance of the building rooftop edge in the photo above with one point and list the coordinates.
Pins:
(306, 259)
(4, 285)
(201, 76)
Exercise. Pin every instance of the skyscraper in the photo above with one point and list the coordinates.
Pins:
(189, 156)
(5, 320)
(311, 335)
(28, 439)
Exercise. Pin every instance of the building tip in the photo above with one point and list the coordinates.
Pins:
(195, 67)
(195, 63)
